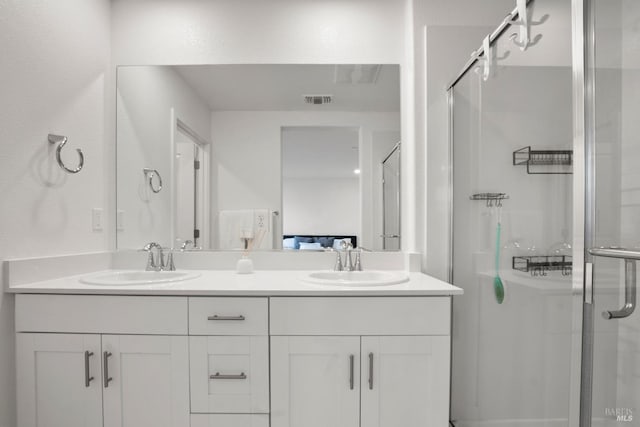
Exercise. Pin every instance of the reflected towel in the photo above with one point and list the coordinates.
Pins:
(233, 226)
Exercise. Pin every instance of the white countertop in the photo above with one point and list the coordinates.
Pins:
(230, 283)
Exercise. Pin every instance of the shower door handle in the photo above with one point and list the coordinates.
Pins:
(630, 258)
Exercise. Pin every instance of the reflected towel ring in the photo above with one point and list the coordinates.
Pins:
(62, 140)
(150, 173)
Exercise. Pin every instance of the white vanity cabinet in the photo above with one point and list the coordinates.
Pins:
(59, 380)
(229, 353)
(145, 380)
(315, 381)
(125, 375)
(370, 362)
(214, 361)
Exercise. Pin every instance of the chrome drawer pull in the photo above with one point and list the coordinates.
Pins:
(87, 374)
(219, 376)
(351, 368)
(370, 371)
(105, 357)
(216, 317)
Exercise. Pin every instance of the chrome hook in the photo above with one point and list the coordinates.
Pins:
(487, 57)
(522, 39)
(62, 140)
(150, 173)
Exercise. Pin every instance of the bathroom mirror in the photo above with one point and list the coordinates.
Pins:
(222, 157)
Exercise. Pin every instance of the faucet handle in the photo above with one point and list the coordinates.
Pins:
(170, 265)
(358, 264)
(338, 266)
(151, 264)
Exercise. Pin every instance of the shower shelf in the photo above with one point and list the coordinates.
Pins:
(527, 156)
(540, 265)
(491, 198)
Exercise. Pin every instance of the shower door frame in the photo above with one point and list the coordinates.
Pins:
(583, 205)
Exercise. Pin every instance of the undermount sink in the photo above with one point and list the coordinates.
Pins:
(357, 278)
(131, 277)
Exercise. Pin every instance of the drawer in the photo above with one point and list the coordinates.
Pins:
(102, 314)
(229, 374)
(360, 316)
(229, 420)
(228, 316)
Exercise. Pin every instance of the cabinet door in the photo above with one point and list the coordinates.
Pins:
(405, 381)
(58, 381)
(229, 374)
(146, 380)
(315, 381)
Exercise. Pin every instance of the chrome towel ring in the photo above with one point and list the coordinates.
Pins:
(149, 174)
(62, 140)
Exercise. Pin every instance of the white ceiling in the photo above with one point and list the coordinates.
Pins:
(282, 87)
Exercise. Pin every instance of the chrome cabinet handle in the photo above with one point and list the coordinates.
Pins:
(390, 236)
(87, 374)
(630, 258)
(105, 359)
(351, 373)
(370, 371)
(217, 317)
(219, 376)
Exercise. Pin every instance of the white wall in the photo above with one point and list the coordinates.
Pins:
(146, 96)
(247, 150)
(54, 62)
(321, 206)
(255, 31)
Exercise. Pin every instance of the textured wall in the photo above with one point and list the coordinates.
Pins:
(54, 64)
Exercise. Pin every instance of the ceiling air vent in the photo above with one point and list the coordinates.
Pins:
(318, 99)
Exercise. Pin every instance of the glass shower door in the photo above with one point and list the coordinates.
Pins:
(512, 336)
(391, 201)
(615, 71)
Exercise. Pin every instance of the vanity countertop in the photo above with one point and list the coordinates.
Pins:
(230, 283)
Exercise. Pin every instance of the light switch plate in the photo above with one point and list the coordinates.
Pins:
(120, 220)
(96, 219)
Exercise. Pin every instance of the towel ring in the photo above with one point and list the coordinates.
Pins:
(62, 140)
(150, 173)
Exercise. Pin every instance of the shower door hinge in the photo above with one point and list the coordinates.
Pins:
(588, 283)
(196, 164)
(196, 234)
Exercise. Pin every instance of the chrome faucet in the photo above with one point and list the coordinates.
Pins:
(158, 263)
(154, 263)
(348, 265)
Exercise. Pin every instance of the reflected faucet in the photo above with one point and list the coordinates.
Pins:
(187, 243)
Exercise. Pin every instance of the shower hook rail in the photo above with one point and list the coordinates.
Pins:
(149, 174)
(522, 38)
(492, 199)
(61, 141)
(486, 56)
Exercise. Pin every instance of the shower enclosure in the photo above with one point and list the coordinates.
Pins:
(546, 219)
